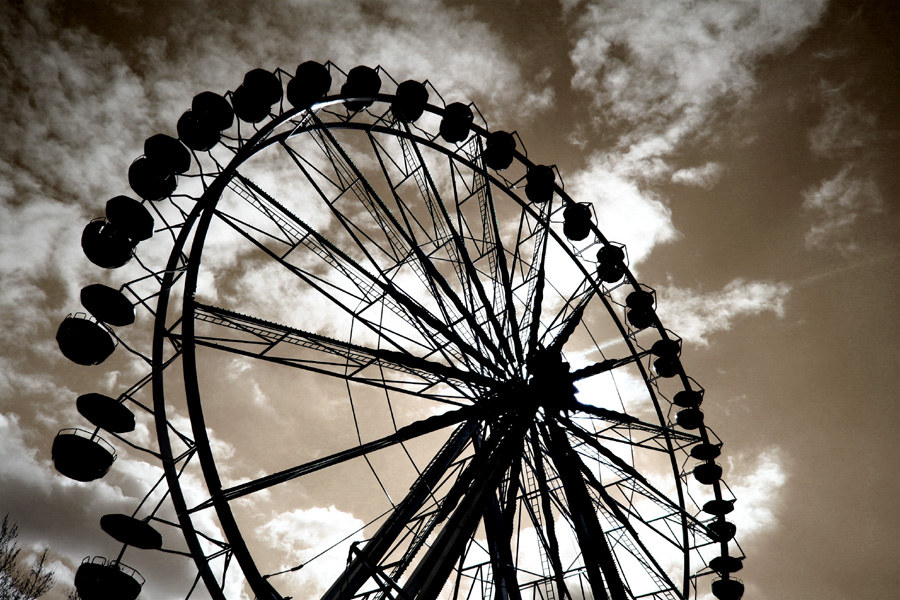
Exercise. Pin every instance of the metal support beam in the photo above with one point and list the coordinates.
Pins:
(595, 552)
(374, 551)
(488, 467)
(498, 527)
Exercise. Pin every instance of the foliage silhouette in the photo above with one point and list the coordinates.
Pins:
(16, 581)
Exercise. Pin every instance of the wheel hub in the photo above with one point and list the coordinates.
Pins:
(550, 384)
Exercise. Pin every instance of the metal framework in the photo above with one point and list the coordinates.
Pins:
(513, 433)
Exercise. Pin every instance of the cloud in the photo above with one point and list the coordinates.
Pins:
(665, 60)
(619, 390)
(757, 484)
(835, 205)
(657, 71)
(846, 127)
(33, 250)
(81, 98)
(625, 212)
(79, 107)
(847, 133)
(704, 176)
(63, 514)
(302, 534)
(450, 46)
(43, 502)
(83, 89)
(695, 315)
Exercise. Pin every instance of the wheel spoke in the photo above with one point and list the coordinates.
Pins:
(626, 425)
(454, 244)
(400, 240)
(449, 311)
(263, 337)
(422, 388)
(403, 434)
(486, 471)
(633, 480)
(360, 569)
(448, 280)
(606, 365)
(603, 573)
(498, 526)
(654, 569)
(528, 272)
(356, 277)
(496, 254)
(373, 289)
(568, 319)
(536, 298)
(548, 531)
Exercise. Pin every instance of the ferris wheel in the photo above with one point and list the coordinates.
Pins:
(349, 298)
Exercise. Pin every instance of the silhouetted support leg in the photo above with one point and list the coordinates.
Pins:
(498, 526)
(549, 525)
(597, 556)
(487, 470)
(360, 569)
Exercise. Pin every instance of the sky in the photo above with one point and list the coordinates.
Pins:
(741, 149)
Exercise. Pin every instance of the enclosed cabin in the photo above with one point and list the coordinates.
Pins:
(106, 413)
(726, 564)
(707, 473)
(689, 418)
(105, 245)
(667, 352)
(201, 127)
(640, 308)
(409, 101)
(718, 507)
(153, 175)
(499, 150)
(688, 398)
(82, 455)
(611, 263)
(705, 451)
(100, 579)
(456, 123)
(310, 84)
(577, 221)
(131, 531)
(83, 340)
(110, 242)
(728, 589)
(539, 183)
(107, 305)
(254, 98)
(721, 530)
(361, 87)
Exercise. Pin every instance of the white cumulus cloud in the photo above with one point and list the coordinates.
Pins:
(645, 58)
(695, 315)
(757, 484)
(662, 69)
(302, 534)
(625, 212)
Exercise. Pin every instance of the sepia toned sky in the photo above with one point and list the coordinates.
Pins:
(744, 150)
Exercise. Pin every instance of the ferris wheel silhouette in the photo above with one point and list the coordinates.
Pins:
(480, 378)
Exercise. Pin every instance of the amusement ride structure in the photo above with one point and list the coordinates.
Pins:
(444, 344)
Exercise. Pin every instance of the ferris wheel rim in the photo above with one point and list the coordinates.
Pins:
(193, 233)
(212, 195)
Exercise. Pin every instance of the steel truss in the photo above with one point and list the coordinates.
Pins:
(457, 304)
